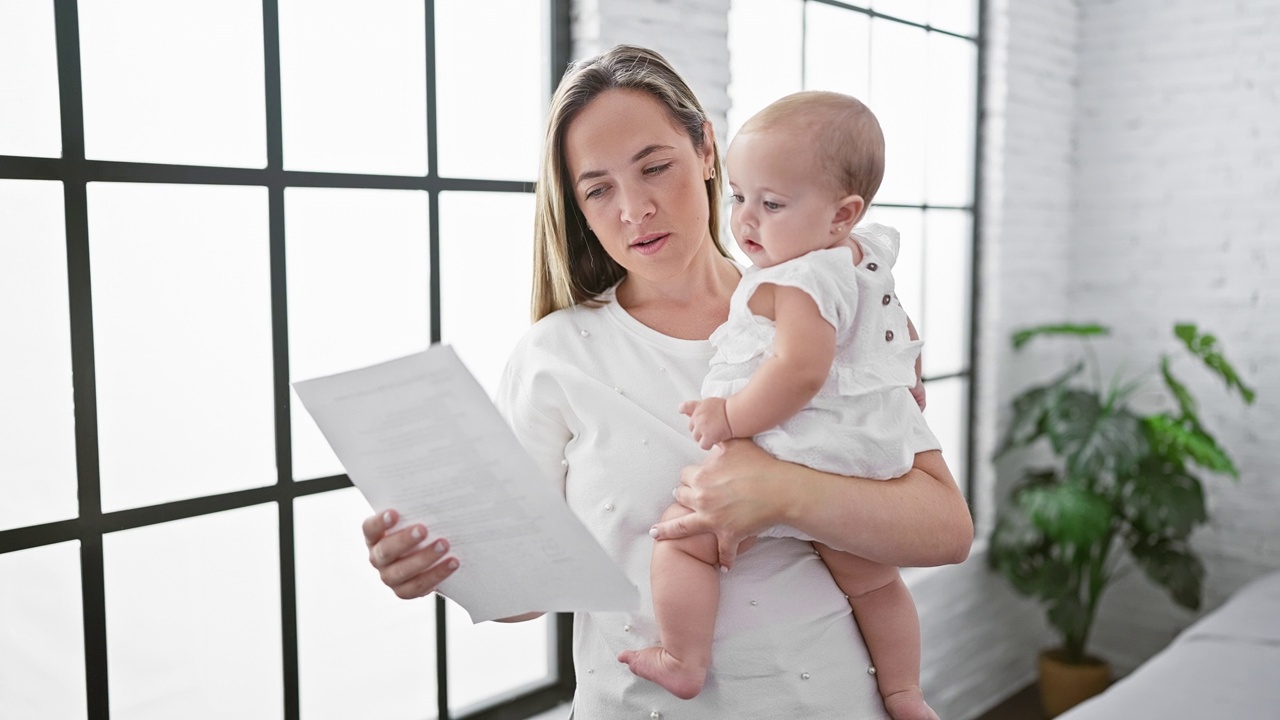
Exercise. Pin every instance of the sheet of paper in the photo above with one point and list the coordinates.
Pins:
(420, 435)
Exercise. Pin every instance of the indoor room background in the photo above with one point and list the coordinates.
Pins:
(201, 203)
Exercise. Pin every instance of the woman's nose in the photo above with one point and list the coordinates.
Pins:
(637, 206)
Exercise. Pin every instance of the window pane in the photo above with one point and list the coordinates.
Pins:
(486, 267)
(944, 320)
(766, 38)
(182, 336)
(173, 82)
(913, 10)
(908, 273)
(193, 618)
(42, 666)
(947, 411)
(358, 293)
(29, 120)
(898, 64)
(958, 16)
(490, 87)
(37, 425)
(837, 50)
(353, 86)
(950, 98)
(493, 659)
(346, 616)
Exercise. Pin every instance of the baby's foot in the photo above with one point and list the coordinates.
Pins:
(659, 666)
(908, 704)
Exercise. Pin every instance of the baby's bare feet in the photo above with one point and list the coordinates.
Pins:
(908, 704)
(659, 666)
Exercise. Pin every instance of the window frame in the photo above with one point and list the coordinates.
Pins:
(74, 172)
(969, 373)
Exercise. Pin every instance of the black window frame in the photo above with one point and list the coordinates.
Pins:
(970, 373)
(74, 171)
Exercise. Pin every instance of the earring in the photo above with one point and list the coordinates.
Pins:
(713, 173)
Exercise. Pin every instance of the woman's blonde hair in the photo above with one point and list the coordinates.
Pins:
(569, 264)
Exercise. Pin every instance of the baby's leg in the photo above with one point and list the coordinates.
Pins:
(686, 593)
(887, 618)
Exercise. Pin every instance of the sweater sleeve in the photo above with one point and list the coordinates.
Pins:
(542, 435)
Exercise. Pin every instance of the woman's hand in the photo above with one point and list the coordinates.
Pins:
(733, 494)
(408, 572)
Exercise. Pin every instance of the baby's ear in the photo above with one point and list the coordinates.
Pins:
(849, 211)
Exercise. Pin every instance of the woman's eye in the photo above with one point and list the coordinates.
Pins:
(657, 169)
(594, 192)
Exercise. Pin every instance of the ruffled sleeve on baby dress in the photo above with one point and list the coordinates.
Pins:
(827, 276)
(881, 241)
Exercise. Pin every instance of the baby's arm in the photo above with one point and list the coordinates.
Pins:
(803, 348)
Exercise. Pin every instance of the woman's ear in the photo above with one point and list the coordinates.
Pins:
(708, 150)
(848, 212)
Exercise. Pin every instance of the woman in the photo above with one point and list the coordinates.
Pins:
(630, 279)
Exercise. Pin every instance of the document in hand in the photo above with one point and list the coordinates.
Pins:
(419, 434)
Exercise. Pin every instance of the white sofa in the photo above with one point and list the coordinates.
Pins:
(1225, 665)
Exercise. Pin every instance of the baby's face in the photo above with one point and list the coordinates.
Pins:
(782, 208)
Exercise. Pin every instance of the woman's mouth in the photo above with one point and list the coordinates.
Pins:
(649, 244)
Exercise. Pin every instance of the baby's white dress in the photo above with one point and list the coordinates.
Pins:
(864, 421)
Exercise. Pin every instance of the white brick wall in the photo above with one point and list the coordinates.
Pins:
(692, 35)
(1178, 218)
(1131, 175)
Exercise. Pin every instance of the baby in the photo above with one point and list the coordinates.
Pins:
(816, 363)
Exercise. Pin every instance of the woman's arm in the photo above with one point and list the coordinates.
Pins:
(919, 519)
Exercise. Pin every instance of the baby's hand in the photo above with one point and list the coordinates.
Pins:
(708, 421)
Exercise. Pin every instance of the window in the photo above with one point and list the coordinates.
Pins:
(200, 204)
(915, 64)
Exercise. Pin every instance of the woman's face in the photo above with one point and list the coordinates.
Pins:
(640, 183)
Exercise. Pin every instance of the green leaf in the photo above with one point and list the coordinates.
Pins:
(1026, 562)
(1172, 565)
(1035, 478)
(1180, 440)
(1186, 403)
(1067, 513)
(1023, 336)
(1205, 347)
(1031, 407)
(1093, 440)
(1020, 551)
(1164, 502)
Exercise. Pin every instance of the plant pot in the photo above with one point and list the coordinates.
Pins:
(1065, 685)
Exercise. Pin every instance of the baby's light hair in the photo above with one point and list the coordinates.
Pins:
(844, 133)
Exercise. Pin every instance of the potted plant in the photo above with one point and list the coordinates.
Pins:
(1120, 483)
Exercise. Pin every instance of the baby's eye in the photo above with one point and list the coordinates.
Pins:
(738, 199)
(769, 205)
